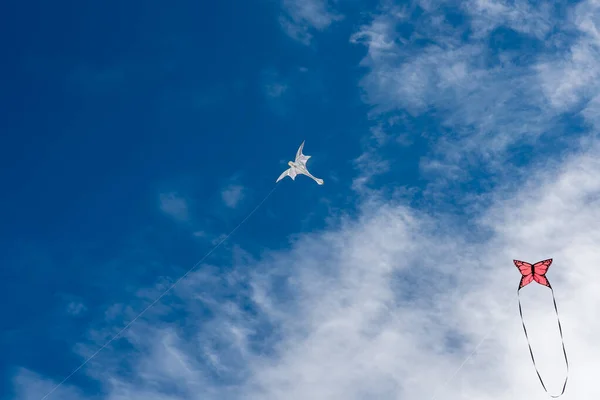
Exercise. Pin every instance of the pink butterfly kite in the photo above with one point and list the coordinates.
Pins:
(535, 272)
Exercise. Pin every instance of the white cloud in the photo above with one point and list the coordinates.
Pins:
(484, 103)
(174, 205)
(30, 386)
(232, 195)
(370, 163)
(573, 78)
(303, 16)
(519, 15)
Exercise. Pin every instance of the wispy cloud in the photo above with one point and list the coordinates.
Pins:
(275, 89)
(76, 308)
(484, 99)
(232, 195)
(278, 91)
(521, 15)
(31, 386)
(303, 16)
(572, 78)
(370, 162)
(174, 205)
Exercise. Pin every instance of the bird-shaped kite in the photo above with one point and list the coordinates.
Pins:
(298, 166)
(537, 272)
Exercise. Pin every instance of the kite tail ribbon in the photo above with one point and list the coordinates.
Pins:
(561, 339)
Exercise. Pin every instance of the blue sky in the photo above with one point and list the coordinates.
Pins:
(452, 138)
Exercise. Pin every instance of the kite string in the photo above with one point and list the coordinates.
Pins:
(531, 350)
(493, 328)
(161, 296)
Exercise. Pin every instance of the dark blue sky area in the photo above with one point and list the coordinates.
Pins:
(104, 106)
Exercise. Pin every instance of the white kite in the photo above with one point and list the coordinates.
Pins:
(298, 166)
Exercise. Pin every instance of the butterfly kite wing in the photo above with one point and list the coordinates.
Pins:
(524, 267)
(526, 270)
(541, 279)
(541, 267)
(539, 272)
(526, 280)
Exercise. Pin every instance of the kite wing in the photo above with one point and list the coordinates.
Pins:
(291, 172)
(301, 158)
(539, 272)
(524, 267)
(526, 270)
(541, 267)
(526, 280)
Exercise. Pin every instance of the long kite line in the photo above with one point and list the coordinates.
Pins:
(492, 329)
(161, 296)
